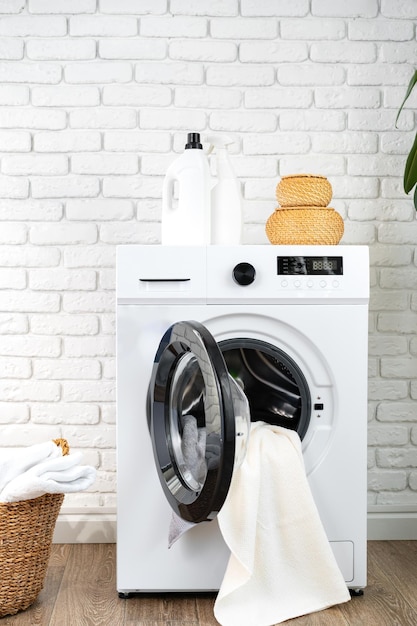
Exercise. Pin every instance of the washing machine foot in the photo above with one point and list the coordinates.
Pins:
(356, 592)
(125, 595)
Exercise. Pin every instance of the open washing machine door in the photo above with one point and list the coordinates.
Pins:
(199, 421)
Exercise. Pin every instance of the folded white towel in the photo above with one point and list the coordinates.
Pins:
(61, 474)
(15, 462)
(281, 564)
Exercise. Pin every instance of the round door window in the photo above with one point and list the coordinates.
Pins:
(192, 421)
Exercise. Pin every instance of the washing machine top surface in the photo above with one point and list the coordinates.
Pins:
(243, 274)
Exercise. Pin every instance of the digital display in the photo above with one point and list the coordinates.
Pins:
(310, 265)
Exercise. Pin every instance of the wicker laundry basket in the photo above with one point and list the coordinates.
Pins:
(26, 530)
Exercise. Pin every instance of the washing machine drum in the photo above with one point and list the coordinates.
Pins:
(199, 421)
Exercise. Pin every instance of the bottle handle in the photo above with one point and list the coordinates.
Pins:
(168, 192)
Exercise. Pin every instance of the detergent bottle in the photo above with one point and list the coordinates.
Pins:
(226, 198)
(187, 221)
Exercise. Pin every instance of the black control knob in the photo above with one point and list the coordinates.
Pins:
(244, 274)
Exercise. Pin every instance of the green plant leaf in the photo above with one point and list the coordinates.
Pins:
(411, 84)
(415, 198)
(410, 172)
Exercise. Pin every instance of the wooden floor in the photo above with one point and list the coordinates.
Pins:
(80, 590)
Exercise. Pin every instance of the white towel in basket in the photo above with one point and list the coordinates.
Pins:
(281, 564)
(61, 474)
(15, 462)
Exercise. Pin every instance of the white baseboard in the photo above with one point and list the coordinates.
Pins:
(100, 527)
(384, 524)
(85, 528)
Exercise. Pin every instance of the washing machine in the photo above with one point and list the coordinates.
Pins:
(288, 326)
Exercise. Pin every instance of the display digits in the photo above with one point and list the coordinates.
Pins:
(322, 264)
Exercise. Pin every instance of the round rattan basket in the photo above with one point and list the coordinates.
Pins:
(304, 190)
(26, 530)
(316, 226)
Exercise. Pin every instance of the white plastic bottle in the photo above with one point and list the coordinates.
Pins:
(226, 198)
(188, 222)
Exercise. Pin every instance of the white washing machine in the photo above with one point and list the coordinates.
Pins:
(289, 326)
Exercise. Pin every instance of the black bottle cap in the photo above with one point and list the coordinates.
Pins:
(193, 141)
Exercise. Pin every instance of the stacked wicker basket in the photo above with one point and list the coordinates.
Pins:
(304, 216)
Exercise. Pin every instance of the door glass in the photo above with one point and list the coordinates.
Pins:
(196, 446)
(188, 430)
(188, 413)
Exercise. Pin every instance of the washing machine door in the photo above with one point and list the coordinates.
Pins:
(192, 417)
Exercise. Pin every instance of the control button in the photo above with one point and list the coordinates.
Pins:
(323, 284)
(244, 274)
(335, 284)
(297, 284)
(310, 284)
(284, 283)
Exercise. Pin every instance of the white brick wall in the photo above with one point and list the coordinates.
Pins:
(95, 99)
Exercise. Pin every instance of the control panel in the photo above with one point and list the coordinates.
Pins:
(286, 274)
(258, 274)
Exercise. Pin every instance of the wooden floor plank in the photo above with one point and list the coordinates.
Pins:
(205, 604)
(401, 558)
(161, 623)
(40, 612)
(59, 554)
(87, 595)
(161, 608)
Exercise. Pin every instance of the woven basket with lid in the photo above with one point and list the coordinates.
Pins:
(304, 217)
(26, 530)
(304, 190)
